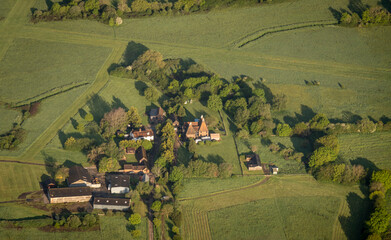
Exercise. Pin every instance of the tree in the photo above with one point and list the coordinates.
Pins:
(157, 222)
(181, 111)
(384, 177)
(192, 146)
(89, 220)
(147, 145)
(319, 122)
(140, 208)
(136, 233)
(144, 188)
(225, 170)
(330, 141)
(89, 117)
(379, 221)
(256, 127)
(279, 102)
(176, 217)
(91, 6)
(284, 130)
(74, 221)
(188, 93)
(61, 175)
(321, 156)
(134, 118)
(366, 126)
(116, 119)
(243, 134)
(135, 219)
(95, 154)
(157, 170)
(156, 206)
(301, 129)
(108, 165)
(151, 94)
(215, 103)
(176, 175)
(241, 116)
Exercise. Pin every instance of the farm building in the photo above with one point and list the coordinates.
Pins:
(135, 168)
(120, 204)
(157, 115)
(141, 155)
(253, 162)
(215, 137)
(139, 134)
(197, 129)
(69, 194)
(79, 177)
(119, 183)
(274, 170)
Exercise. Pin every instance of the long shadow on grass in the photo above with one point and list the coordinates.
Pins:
(306, 114)
(353, 225)
(356, 6)
(367, 164)
(98, 107)
(132, 52)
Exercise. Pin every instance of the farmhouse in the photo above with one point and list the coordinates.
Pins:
(157, 115)
(135, 168)
(198, 130)
(253, 162)
(141, 155)
(69, 194)
(119, 183)
(139, 134)
(121, 204)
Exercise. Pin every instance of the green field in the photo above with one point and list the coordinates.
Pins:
(288, 207)
(281, 218)
(16, 179)
(5, 7)
(196, 187)
(7, 118)
(370, 150)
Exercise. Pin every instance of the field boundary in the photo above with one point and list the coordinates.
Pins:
(282, 28)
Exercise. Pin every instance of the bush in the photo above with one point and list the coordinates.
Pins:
(156, 206)
(151, 94)
(135, 219)
(74, 221)
(321, 156)
(319, 122)
(77, 144)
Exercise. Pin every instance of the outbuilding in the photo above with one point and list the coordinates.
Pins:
(69, 194)
(121, 204)
(119, 183)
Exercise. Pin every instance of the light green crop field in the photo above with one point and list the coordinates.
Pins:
(196, 187)
(31, 68)
(288, 207)
(285, 166)
(370, 150)
(16, 179)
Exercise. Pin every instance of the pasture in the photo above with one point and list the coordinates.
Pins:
(196, 187)
(372, 150)
(285, 207)
(16, 179)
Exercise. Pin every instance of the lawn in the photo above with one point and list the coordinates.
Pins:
(266, 156)
(281, 218)
(373, 150)
(284, 207)
(16, 179)
(16, 211)
(5, 7)
(196, 187)
(32, 68)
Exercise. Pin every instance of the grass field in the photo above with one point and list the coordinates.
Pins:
(285, 166)
(287, 207)
(371, 150)
(281, 218)
(5, 7)
(16, 179)
(7, 118)
(15, 211)
(198, 187)
(31, 68)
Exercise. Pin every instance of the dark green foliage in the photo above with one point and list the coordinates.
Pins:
(74, 221)
(135, 219)
(12, 139)
(371, 16)
(215, 103)
(279, 102)
(176, 175)
(77, 144)
(144, 188)
(243, 134)
(151, 94)
(330, 141)
(176, 217)
(89, 220)
(225, 170)
(192, 146)
(341, 173)
(301, 129)
(156, 206)
(321, 156)
(379, 221)
(319, 122)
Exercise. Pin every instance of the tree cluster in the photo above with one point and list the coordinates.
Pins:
(168, 136)
(78, 144)
(287, 153)
(370, 17)
(135, 144)
(12, 138)
(341, 173)
(379, 221)
(75, 221)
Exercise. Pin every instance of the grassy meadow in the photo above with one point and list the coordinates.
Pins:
(196, 187)
(7, 118)
(285, 207)
(371, 150)
(16, 179)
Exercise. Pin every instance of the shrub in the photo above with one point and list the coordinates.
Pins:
(89, 220)
(321, 156)
(74, 221)
(108, 165)
(151, 94)
(135, 219)
(319, 122)
(156, 206)
(284, 130)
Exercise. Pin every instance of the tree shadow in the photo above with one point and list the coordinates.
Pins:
(214, 158)
(132, 52)
(50, 164)
(49, 3)
(140, 86)
(267, 90)
(357, 6)
(98, 107)
(117, 103)
(385, 119)
(82, 113)
(302, 145)
(74, 123)
(336, 14)
(306, 115)
(68, 163)
(386, 4)
(353, 225)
